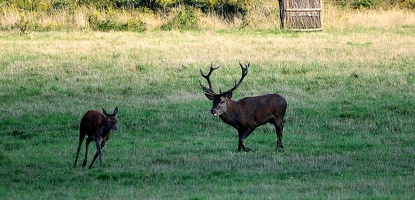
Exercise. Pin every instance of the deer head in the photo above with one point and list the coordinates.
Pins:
(221, 101)
(111, 120)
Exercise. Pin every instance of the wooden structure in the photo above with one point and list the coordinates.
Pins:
(301, 15)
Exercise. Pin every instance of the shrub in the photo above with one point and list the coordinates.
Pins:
(93, 18)
(409, 4)
(364, 4)
(136, 25)
(108, 25)
(24, 25)
(184, 19)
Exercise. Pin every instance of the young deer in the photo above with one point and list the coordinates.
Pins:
(248, 113)
(97, 126)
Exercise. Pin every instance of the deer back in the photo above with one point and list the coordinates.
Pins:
(251, 112)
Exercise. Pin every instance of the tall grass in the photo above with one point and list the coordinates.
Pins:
(335, 18)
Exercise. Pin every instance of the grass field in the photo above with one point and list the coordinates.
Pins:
(349, 130)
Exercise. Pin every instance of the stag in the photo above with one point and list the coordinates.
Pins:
(248, 113)
(97, 126)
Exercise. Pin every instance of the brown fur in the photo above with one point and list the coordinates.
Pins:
(97, 126)
(248, 113)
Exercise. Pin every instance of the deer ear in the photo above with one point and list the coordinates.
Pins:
(105, 112)
(115, 111)
(209, 96)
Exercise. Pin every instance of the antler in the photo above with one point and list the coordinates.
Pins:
(244, 73)
(207, 77)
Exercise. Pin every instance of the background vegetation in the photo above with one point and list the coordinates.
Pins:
(350, 89)
(142, 15)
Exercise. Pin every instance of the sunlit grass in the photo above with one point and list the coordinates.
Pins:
(349, 129)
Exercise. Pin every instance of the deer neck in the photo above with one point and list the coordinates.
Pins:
(105, 129)
(232, 112)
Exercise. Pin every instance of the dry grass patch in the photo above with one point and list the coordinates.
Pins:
(337, 18)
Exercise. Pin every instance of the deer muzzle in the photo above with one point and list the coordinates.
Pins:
(214, 113)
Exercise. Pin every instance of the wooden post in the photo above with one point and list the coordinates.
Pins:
(282, 12)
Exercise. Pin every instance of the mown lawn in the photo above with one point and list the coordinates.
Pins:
(349, 130)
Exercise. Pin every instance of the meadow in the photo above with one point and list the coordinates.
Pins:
(349, 130)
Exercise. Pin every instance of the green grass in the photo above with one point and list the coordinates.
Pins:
(349, 132)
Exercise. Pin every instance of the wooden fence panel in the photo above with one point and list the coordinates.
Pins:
(301, 15)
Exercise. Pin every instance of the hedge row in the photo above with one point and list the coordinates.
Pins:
(127, 15)
(221, 7)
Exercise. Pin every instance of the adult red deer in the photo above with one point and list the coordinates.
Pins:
(97, 126)
(248, 113)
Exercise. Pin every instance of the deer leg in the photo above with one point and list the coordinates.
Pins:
(93, 160)
(88, 140)
(98, 153)
(279, 126)
(81, 139)
(242, 136)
